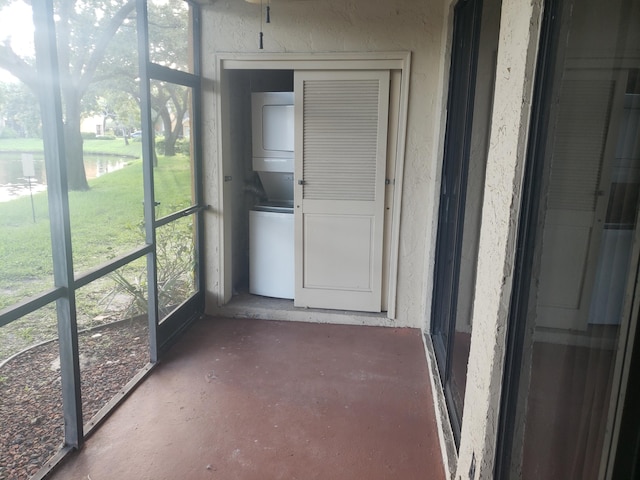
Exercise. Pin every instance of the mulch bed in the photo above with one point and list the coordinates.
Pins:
(31, 416)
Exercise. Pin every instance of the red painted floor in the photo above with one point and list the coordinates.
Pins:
(253, 399)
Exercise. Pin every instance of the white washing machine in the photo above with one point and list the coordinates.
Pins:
(271, 253)
(271, 225)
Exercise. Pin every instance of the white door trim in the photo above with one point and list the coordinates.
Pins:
(309, 61)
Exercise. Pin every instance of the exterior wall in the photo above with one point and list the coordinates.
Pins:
(517, 50)
(422, 27)
(89, 125)
(351, 26)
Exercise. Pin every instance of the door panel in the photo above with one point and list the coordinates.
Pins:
(332, 262)
(341, 141)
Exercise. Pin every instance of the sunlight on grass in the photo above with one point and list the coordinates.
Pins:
(111, 147)
(106, 221)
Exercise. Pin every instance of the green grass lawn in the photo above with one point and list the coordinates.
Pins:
(111, 147)
(106, 221)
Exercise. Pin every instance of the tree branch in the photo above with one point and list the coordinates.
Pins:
(103, 42)
(15, 65)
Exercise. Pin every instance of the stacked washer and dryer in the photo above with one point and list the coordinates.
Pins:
(271, 225)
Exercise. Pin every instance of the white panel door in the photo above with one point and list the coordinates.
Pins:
(340, 158)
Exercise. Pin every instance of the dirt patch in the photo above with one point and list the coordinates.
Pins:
(31, 398)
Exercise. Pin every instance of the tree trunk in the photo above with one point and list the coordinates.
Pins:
(169, 136)
(169, 145)
(76, 175)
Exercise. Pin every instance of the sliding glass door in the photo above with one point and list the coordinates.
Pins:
(170, 100)
(475, 38)
(576, 304)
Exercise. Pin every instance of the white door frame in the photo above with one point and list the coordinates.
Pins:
(309, 61)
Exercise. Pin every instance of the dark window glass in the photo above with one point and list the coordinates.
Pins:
(585, 247)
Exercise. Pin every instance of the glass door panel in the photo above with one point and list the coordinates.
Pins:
(456, 251)
(575, 345)
(171, 150)
(580, 293)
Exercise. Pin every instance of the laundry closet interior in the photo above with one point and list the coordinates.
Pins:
(243, 187)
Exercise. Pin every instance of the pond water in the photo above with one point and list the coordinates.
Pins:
(13, 184)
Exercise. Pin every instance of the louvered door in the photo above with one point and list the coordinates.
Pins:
(583, 149)
(341, 136)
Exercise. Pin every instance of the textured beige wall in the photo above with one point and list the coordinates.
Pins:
(517, 49)
(346, 26)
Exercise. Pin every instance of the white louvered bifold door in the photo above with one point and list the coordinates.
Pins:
(341, 138)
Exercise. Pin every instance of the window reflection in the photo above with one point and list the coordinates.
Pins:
(581, 293)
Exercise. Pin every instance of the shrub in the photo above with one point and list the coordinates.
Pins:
(105, 137)
(8, 132)
(176, 270)
(159, 146)
(88, 135)
(183, 146)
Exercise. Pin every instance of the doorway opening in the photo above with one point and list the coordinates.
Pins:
(241, 180)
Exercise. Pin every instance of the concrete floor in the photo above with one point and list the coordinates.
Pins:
(256, 399)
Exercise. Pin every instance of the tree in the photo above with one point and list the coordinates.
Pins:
(19, 108)
(84, 32)
(169, 37)
(168, 46)
(119, 110)
(171, 102)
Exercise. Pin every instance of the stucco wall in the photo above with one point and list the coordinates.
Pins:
(345, 26)
(517, 50)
